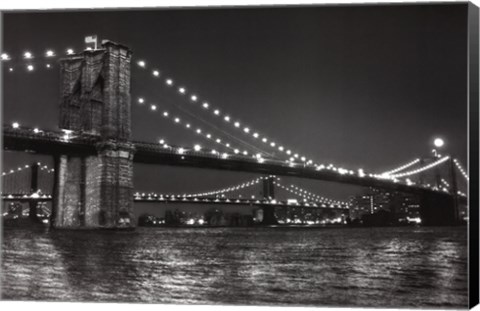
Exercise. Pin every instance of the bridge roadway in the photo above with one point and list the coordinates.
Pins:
(183, 200)
(55, 143)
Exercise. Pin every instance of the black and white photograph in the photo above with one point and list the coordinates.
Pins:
(310, 155)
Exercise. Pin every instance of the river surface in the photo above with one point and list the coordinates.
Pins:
(389, 267)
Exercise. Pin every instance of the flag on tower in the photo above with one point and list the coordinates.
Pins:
(91, 42)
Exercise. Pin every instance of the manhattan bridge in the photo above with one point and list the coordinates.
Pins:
(91, 182)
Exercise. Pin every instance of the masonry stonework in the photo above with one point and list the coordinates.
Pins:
(96, 191)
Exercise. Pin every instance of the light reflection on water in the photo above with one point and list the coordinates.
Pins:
(342, 267)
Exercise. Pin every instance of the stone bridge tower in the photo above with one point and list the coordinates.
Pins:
(96, 191)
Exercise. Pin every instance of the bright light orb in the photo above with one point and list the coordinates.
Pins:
(15, 125)
(141, 63)
(438, 142)
(30, 68)
(70, 51)
(27, 55)
(49, 53)
(5, 56)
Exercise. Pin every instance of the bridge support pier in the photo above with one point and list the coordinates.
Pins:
(438, 209)
(269, 194)
(32, 205)
(96, 191)
(269, 216)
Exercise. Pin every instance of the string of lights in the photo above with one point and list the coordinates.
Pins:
(445, 183)
(31, 61)
(460, 168)
(230, 188)
(308, 195)
(228, 119)
(400, 168)
(214, 127)
(196, 130)
(221, 191)
(25, 167)
(421, 169)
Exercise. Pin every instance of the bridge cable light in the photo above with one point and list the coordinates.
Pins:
(421, 169)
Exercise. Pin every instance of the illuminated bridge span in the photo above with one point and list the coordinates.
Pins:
(94, 154)
(173, 200)
(58, 143)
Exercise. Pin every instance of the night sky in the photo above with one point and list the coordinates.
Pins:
(356, 86)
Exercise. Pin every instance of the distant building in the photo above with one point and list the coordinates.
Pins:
(403, 207)
(361, 205)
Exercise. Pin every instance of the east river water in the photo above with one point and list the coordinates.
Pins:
(389, 267)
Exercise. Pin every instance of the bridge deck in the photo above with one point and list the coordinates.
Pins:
(54, 143)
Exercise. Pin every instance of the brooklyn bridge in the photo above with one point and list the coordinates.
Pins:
(91, 182)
